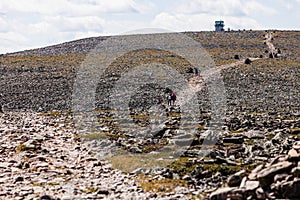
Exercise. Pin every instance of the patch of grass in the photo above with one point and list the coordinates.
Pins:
(52, 184)
(99, 136)
(223, 169)
(92, 136)
(130, 162)
(21, 148)
(173, 114)
(160, 186)
(185, 166)
(182, 166)
(89, 190)
(58, 113)
(154, 147)
(237, 131)
(250, 141)
(295, 129)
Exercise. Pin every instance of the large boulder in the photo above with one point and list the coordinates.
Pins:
(266, 176)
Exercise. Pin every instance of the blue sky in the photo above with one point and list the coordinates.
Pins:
(37, 23)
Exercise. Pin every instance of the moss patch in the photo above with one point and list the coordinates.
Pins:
(160, 186)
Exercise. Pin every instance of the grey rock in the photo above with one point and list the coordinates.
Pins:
(254, 134)
(251, 185)
(235, 179)
(260, 194)
(266, 176)
(135, 150)
(293, 155)
(19, 179)
(296, 172)
(221, 194)
(233, 140)
(45, 197)
(280, 177)
(253, 174)
(291, 189)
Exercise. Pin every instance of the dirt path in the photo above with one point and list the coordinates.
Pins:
(197, 82)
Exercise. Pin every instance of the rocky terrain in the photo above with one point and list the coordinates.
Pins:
(45, 155)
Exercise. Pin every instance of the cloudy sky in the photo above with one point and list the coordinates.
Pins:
(36, 23)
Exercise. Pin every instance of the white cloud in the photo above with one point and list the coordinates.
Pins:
(217, 7)
(74, 7)
(201, 14)
(196, 22)
(74, 24)
(222, 7)
(34, 23)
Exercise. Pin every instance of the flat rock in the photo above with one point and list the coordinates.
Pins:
(235, 179)
(251, 185)
(266, 176)
(221, 194)
(293, 155)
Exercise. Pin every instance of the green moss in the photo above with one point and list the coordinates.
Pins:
(185, 166)
(54, 114)
(89, 190)
(223, 169)
(237, 131)
(250, 141)
(21, 148)
(92, 136)
(154, 147)
(182, 166)
(160, 186)
(52, 184)
(99, 136)
(129, 162)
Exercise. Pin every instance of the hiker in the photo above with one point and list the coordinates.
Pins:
(167, 90)
(169, 99)
(196, 70)
(173, 98)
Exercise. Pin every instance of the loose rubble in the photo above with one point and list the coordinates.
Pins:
(256, 155)
(41, 159)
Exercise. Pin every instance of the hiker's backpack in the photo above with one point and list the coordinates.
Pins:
(173, 96)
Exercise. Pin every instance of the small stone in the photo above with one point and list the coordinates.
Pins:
(220, 194)
(103, 191)
(138, 171)
(234, 140)
(235, 179)
(280, 177)
(135, 150)
(42, 165)
(247, 61)
(260, 194)
(251, 185)
(291, 189)
(293, 154)
(186, 178)
(253, 174)
(296, 172)
(19, 179)
(45, 197)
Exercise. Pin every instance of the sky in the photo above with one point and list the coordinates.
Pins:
(28, 24)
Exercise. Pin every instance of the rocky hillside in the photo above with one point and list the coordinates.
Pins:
(45, 156)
